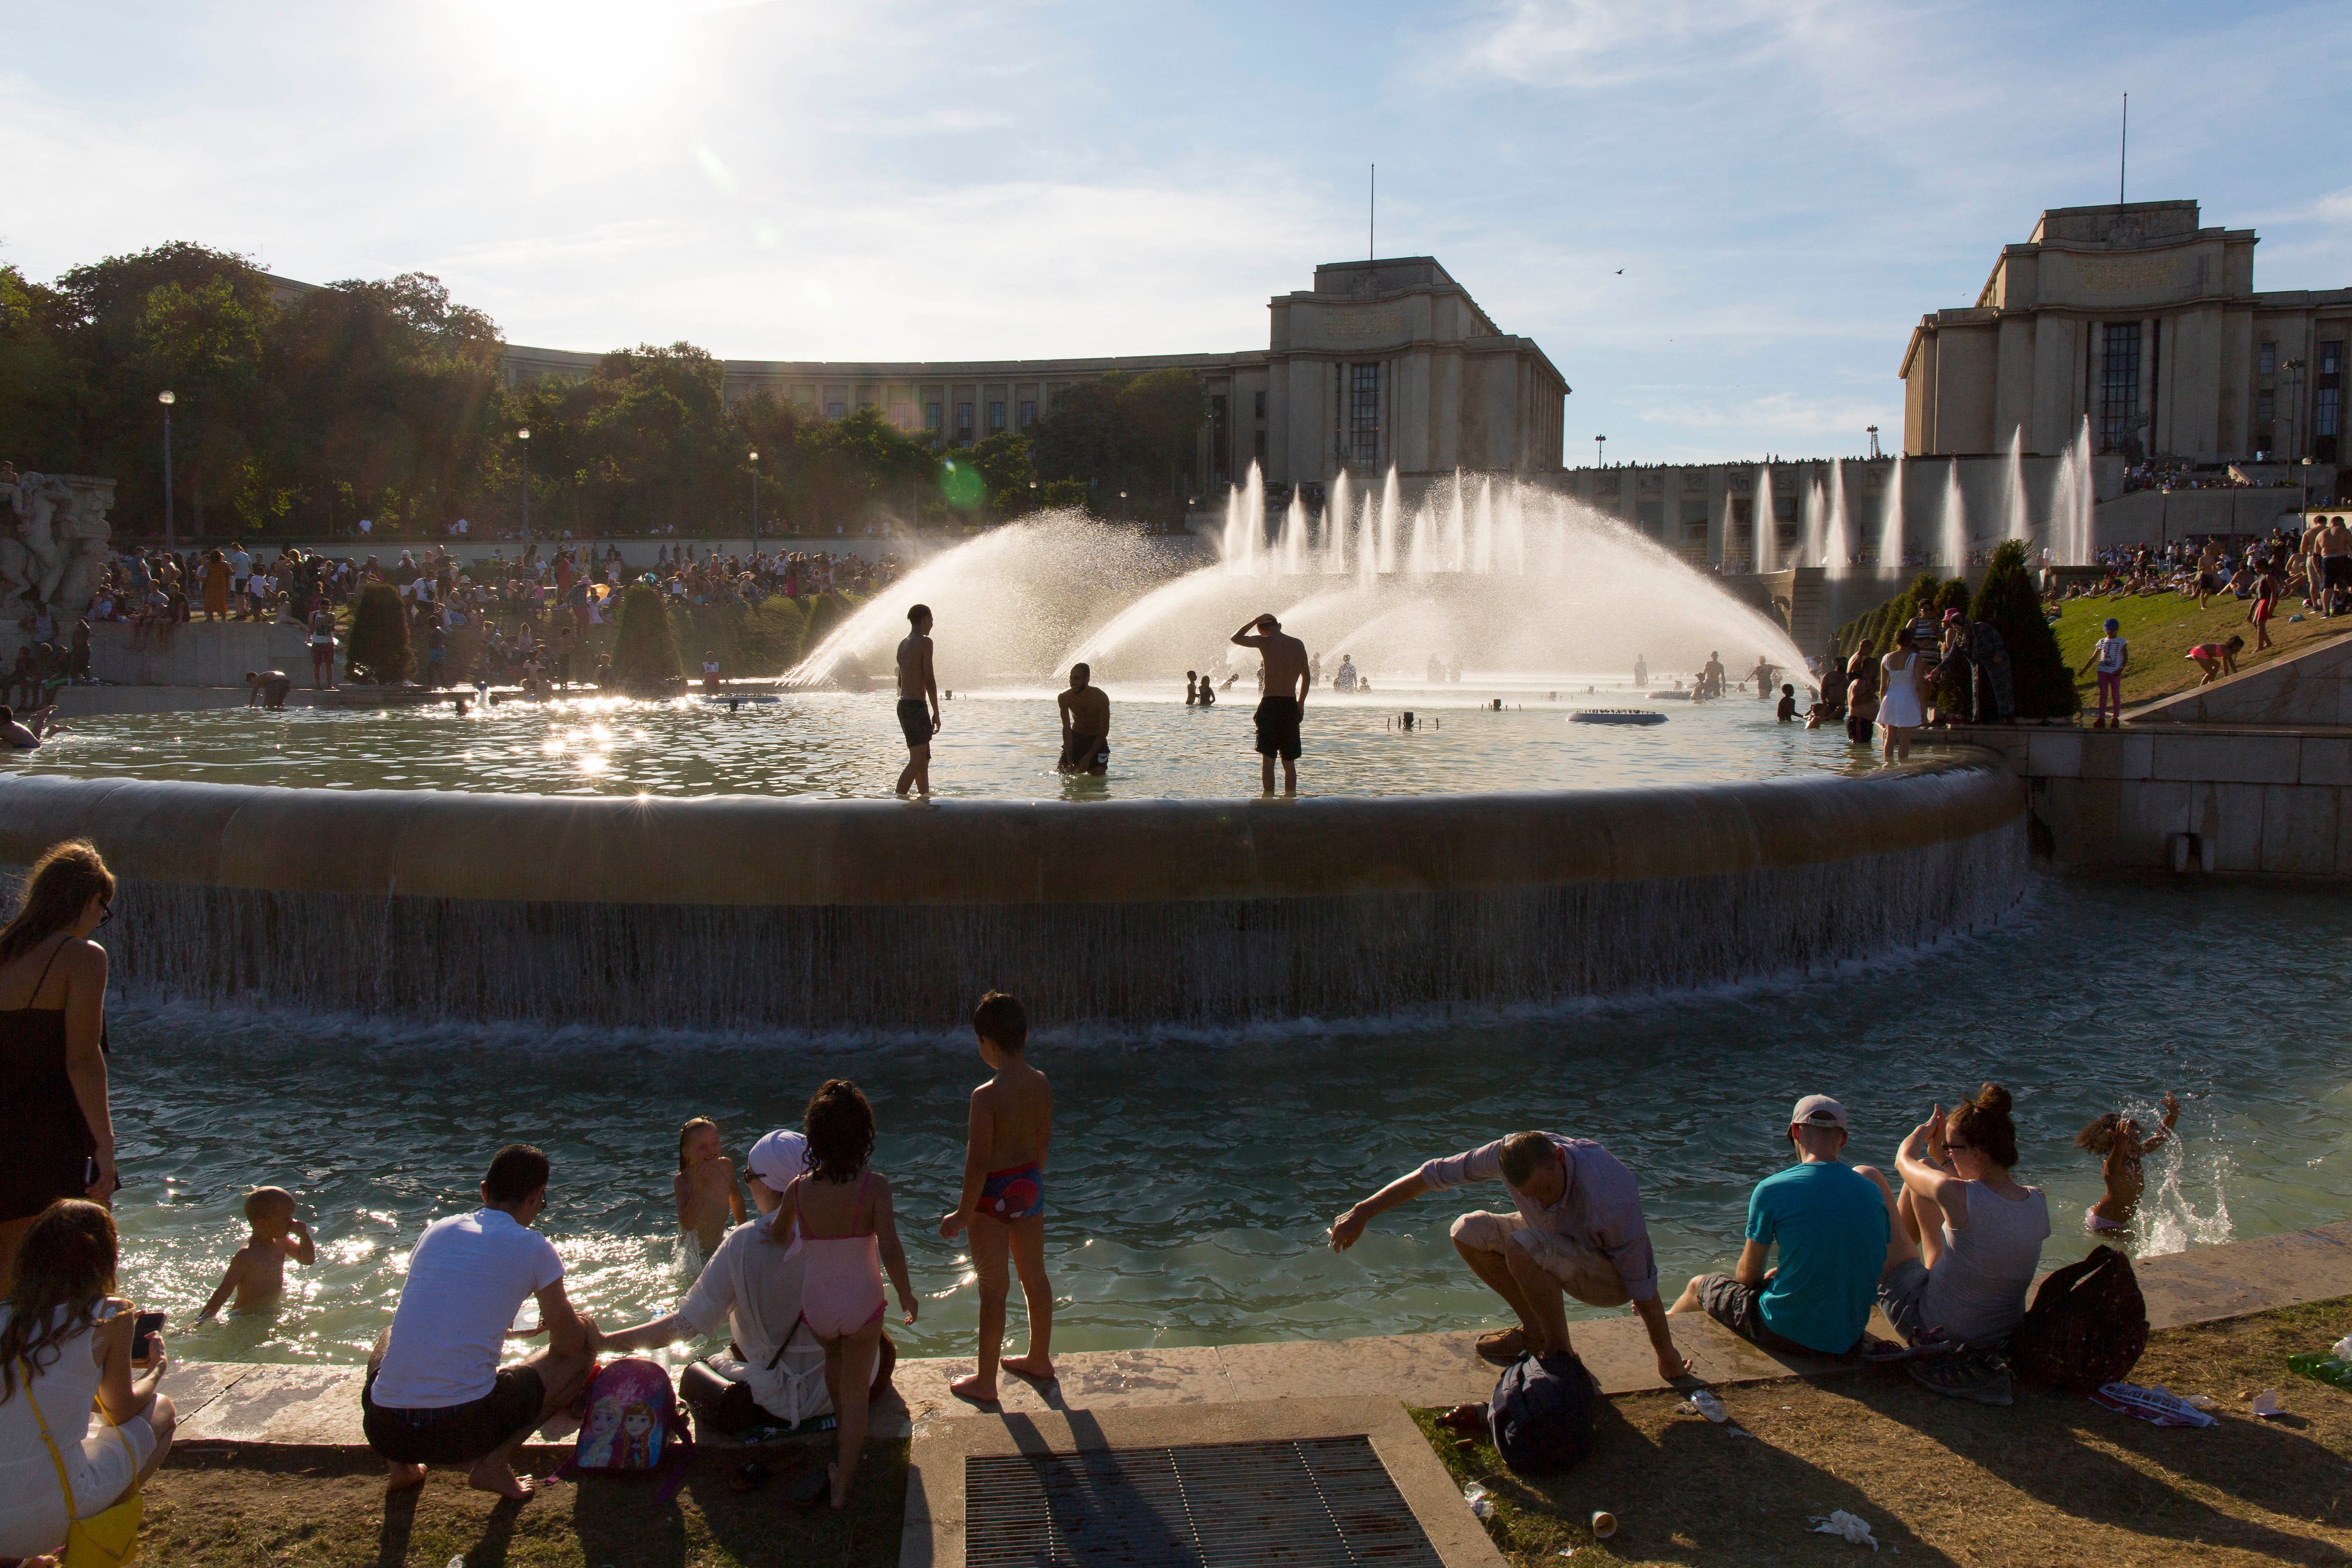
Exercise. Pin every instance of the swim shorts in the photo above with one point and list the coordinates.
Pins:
(2338, 570)
(915, 720)
(456, 1434)
(1076, 747)
(1277, 728)
(1018, 1192)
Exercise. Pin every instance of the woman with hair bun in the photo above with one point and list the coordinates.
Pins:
(54, 1120)
(1966, 1236)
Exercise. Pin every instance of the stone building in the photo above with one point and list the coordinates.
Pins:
(1380, 364)
(2147, 324)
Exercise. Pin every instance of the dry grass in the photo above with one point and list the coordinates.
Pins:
(297, 1508)
(2163, 627)
(2050, 1481)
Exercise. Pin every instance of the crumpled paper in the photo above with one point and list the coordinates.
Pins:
(1846, 1526)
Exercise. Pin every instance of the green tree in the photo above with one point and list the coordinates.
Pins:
(1059, 493)
(645, 652)
(1137, 434)
(2006, 602)
(1002, 462)
(378, 650)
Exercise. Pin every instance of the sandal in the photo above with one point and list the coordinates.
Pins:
(1503, 1347)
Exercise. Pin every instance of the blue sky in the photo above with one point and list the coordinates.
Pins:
(1787, 185)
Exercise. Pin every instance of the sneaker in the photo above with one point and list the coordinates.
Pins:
(1503, 1347)
(1981, 1375)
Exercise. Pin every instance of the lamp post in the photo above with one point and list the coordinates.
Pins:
(167, 399)
(2294, 414)
(755, 503)
(523, 435)
(1123, 506)
(1600, 443)
(1874, 442)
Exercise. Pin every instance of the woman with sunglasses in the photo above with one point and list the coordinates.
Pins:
(54, 1121)
(1967, 1237)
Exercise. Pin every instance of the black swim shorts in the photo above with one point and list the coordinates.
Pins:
(457, 1434)
(915, 720)
(1277, 728)
(1079, 746)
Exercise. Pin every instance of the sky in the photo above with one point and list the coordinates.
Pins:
(1718, 220)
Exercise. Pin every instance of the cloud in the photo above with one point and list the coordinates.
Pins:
(1582, 44)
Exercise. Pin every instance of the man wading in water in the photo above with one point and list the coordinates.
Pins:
(1285, 679)
(918, 685)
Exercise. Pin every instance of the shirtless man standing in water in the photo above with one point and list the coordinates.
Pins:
(918, 685)
(1285, 678)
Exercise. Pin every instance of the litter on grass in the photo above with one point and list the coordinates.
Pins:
(1706, 1403)
(1481, 1501)
(2157, 1406)
(1846, 1526)
(2266, 1404)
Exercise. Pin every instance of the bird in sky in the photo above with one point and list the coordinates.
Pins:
(1621, 272)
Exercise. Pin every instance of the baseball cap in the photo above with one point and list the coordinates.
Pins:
(777, 1158)
(1813, 1110)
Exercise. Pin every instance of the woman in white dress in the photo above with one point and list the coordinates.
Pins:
(65, 1346)
(1901, 709)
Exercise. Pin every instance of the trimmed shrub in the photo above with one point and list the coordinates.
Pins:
(377, 651)
(644, 651)
(2007, 603)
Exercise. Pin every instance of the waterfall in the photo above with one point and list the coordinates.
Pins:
(1837, 549)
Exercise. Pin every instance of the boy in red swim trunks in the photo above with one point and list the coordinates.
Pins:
(1004, 1200)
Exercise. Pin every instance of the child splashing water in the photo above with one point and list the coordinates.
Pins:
(2116, 1140)
(708, 1200)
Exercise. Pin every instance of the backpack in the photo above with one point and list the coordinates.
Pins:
(1543, 1413)
(632, 1425)
(2087, 1327)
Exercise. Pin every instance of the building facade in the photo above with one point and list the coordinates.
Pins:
(1382, 363)
(2148, 325)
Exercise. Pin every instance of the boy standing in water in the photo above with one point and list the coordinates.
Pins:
(257, 1273)
(2116, 1140)
(1004, 1200)
(917, 684)
(1085, 725)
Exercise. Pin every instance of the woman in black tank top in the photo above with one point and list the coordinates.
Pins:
(54, 1123)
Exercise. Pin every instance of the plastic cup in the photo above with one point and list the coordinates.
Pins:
(1604, 1524)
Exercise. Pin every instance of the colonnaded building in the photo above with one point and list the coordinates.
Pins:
(1381, 364)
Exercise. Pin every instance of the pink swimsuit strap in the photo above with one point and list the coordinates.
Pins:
(864, 1176)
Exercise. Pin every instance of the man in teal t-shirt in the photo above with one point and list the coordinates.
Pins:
(1830, 1222)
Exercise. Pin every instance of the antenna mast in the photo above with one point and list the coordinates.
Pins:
(2123, 150)
(1372, 219)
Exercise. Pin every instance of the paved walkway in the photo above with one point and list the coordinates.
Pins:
(229, 1404)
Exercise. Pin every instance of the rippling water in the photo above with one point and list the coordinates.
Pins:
(999, 743)
(1192, 1176)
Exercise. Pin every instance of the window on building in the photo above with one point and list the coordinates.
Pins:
(2119, 384)
(2331, 358)
(2327, 411)
(931, 412)
(835, 410)
(1364, 413)
(2265, 420)
(902, 414)
(2269, 359)
(996, 416)
(1028, 412)
(964, 419)
(1261, 404)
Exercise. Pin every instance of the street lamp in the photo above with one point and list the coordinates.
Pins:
(523, 435)
(2294, 419)
(755, 503)
(1123, 506)
(1874, 442)
(1599, 444)
(167, 399)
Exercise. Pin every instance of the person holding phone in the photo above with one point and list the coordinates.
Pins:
(54, 1120)
(67, 1353)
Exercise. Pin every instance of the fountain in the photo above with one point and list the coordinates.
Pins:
(1894, 541)
(2017, 513)
(1837, 547)
(1767, 523)
(1810, 544)
(1952, 532)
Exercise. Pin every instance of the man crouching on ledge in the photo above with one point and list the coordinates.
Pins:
(436, 1394)
(1578, 1231)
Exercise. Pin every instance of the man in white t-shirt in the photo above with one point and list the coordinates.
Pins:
(752, 1287)
(436, 1394)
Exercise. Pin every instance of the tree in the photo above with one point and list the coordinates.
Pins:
(2006, 602)
(378, 650)
(1133, 433)
(645, 654)
(1003, 463)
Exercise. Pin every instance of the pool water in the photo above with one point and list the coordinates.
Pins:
(1001, 743)
(1193, 1176)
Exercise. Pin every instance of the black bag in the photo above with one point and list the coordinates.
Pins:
(1543, 1413)
(2088, 1326)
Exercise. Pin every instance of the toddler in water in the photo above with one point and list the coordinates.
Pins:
(1003, 1198)
(2116, 1140)
(257, 1273)
(708, 1200)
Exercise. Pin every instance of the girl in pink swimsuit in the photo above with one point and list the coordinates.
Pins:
(843, 1212)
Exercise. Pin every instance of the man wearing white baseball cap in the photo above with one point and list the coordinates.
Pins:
(1829, 1220)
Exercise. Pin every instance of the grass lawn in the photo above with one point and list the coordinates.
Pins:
(2049, 1481)
(304, 1506)
(2163, 627)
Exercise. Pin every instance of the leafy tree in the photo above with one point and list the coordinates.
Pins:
(1133, 433)
(644, 651)
(2006, 602)
(1003, 463)
(1058, 493)
(378, 650)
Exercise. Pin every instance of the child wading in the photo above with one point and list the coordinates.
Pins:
(1004, 1200)
(257, 1273)
(708, 1200)
(2116, 1140)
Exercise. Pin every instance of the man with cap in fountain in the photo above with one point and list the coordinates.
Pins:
(1829, 1220)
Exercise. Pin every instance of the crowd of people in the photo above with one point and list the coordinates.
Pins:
(2314, 563)
(1946, 1245)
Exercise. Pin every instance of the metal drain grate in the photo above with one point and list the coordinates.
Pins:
(1305, 1504)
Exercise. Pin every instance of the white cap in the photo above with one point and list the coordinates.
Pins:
(1813, 1110)
(777, 1158)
